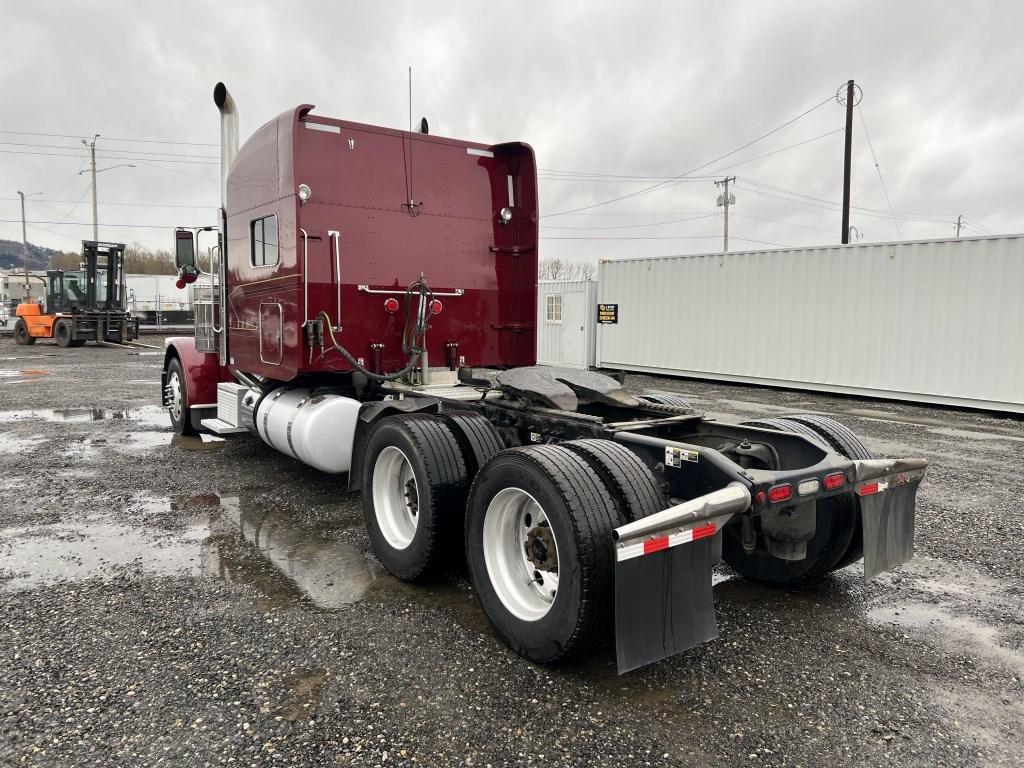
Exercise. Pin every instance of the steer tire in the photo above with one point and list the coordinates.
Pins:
(634, 488)
(477, 436)
(181, 416)
(835, 526)
(844, 441)
(582, 515)
(21, 335)
(440, 483)
(62, 333)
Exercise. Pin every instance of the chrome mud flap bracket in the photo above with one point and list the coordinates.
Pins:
(663, 596)
(886, 494)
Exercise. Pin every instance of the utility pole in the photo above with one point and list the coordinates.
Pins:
(24, 242)
(92, 152)
(725, 200)
(846, 161)
(959, 224)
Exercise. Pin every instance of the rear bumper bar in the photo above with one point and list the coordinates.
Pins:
(663, 563)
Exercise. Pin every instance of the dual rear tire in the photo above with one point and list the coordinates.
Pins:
(533, 523)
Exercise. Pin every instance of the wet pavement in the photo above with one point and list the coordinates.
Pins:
(195, 602)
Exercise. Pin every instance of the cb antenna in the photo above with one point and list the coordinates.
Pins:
(412, 206)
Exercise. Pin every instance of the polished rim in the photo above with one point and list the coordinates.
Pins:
(174, 397)
(521, 554)
(396, 497)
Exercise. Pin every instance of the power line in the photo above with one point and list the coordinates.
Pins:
(664, 237)
(777, 151)
(132, 205)
(696, 168)
(116, 149)
(879, 169)
(107, 157)
(89, 224)
(782, 223)
(110, 138)
(636, 226)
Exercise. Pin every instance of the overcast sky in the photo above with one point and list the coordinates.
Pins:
(617, 89)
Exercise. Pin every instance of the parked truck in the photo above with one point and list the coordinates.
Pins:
(372, 313)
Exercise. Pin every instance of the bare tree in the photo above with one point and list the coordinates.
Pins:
(553, 268)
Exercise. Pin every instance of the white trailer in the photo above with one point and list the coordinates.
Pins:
(936, 321)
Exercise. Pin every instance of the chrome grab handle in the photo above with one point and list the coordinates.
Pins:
(305, 276)
(392, 292)
(335, 236)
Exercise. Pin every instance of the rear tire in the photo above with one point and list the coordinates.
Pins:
(21, 335)
(634, 488)
(62, 333)
(525, 503)
(844, 441)
(176, 394)
(414, 495)
(835, 525)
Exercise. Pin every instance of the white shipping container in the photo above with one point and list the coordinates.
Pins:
(152, 293)
(937, 321)
(566, 310)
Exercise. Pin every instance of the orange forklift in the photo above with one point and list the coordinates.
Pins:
(81, 305)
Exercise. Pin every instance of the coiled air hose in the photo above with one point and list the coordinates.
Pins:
(413, 334)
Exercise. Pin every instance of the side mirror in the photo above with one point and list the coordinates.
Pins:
(184, 248)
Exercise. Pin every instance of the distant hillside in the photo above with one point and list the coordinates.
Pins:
(138, 259)
(11, 257)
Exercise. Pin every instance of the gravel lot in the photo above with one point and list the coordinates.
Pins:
(190, 603)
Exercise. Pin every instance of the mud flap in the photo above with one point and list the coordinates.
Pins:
(887, 517)
(663, 604)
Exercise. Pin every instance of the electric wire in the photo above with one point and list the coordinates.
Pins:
(878, 168)
(696, 168)
(111, 138)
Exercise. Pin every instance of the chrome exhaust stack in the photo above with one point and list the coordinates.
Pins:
(228, 136)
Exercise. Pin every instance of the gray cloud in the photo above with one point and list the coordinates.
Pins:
(614, 88)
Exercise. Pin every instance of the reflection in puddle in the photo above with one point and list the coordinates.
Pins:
(11, 444)
(150, 415)
(330, 572)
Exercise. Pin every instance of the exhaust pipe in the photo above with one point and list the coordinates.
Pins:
(228, 136)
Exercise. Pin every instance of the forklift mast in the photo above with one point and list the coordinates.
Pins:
(112, 255)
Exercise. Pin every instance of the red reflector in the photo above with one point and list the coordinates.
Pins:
(180, 283)
(391, 305)
(436, 306)
(703, 531)
(837, 480)
(655, 545)
(780, 492)
(761, 498)
(868, 489)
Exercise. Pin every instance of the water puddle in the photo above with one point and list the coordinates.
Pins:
(956, 633)
(9, 444)
(47, 554)
(149, 415)
(290, 559)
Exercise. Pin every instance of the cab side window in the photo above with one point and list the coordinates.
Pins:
(263, 238)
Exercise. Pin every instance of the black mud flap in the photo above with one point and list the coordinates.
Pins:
(887, 517)
(663, 603)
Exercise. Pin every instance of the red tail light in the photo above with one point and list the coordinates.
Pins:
(436, 306)
(779, 493)
(869, 489)
(180, 284)
(832, 482)
(391, 305)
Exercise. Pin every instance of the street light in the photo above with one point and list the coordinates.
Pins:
(24, 237)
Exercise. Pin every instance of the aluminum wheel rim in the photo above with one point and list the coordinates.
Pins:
(174, 392)
(525, 588)
(396, 497)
